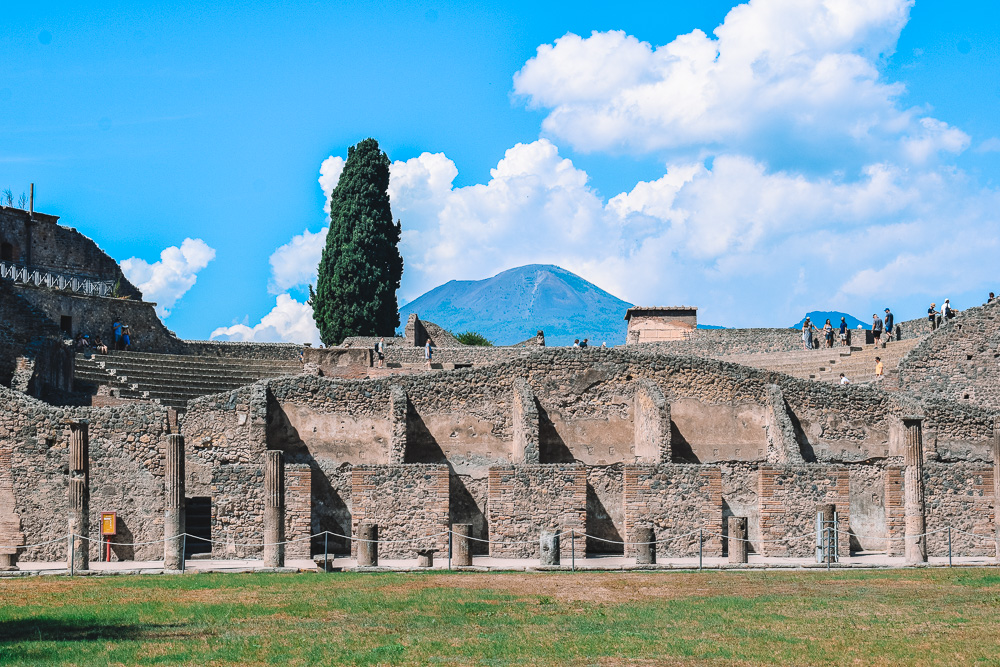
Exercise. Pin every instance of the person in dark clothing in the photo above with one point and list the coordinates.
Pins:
(843, 331)
(876, 328)
(932, 316)
(583, 343)
(889, 322)
(116, 329)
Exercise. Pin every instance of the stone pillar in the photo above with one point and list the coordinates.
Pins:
(461, 545)
(425, 558)
(367, 545)
(645, 545)
(828, 511)
(274, 509)
(79, 494)
(548, 548)
(739, 548)
(996, 484)
(173, 503)
(913, 490)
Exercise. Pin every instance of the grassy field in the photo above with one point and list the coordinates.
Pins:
(938, 616)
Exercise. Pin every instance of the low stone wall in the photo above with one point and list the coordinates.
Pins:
(959, 495)
(244, 350)
(725, 342)
(677, 501)
(298, 510)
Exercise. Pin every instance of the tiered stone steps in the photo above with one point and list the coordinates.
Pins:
(826, 364)
(173, 380)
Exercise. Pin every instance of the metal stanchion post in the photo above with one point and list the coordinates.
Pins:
(450, 537)
(184, 543)
(949, 546)
(700, 542)
(326, 550)
(72, 557)
(572, 549)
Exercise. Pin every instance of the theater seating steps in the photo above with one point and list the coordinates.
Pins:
(172, 380)
(826, 364)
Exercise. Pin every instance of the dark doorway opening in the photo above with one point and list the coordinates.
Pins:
(6, 252)
(198, 517)
(66, 324)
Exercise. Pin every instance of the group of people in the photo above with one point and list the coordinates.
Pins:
(83, 344)
(122, 340)
(843, 331)
(586, 343)
(123, 335)
(946, 314)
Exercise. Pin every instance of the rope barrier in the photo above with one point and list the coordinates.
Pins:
(412, 540)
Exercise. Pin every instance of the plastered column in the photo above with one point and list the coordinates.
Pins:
(913, 490)
(173, 503)
(274, 509)
(79, 494)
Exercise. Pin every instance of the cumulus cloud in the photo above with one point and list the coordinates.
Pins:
(777, 72)
(167, 280)
(329, 174)
(289, 321)
(294, 263)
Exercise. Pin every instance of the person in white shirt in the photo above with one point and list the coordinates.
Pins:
(844, 379)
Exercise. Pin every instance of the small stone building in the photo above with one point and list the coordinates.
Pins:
(653, 324)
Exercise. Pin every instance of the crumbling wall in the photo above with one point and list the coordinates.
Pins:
(409, 503)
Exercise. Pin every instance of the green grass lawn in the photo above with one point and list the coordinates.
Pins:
(937, 616)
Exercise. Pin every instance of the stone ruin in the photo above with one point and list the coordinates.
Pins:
(247, 443)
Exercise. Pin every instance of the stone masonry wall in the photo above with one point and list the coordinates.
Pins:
(525, 500)
(408, 502)
(788, 496)
(298, 510)
(960, 496)
(677, 500)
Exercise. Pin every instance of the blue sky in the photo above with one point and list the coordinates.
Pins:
(793, 155)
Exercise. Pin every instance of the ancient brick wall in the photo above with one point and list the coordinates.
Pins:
(525, 500)
(788, 496)
(408, 502)
(959, 495)
(298, 510)
(677, 501)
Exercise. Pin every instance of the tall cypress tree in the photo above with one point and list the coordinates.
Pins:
(361, 266)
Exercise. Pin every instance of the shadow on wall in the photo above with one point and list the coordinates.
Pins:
(680, 448)
(551, 447)
(121, 545)
(601, 525)
(808, 453)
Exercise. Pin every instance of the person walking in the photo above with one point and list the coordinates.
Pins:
(947, 312)
(380, 351)
(828, 333)
(843, 331)
(879, 369)
(428, 353)
(932, 316)
(876, 328)
(889, 324)
(807, 334)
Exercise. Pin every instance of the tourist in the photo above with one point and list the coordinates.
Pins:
(876, 329)
(116, 329)
(890, 321)
(844, 379)
(991, 299)
(932, 316)
(380, 351)
(947, 312)
(807, 334)
(78, 342)
(878, 368)
(583, 343)
(428, 353)
(604, 344)
(126, 338)
(828, 333)
(100, 346)
(576, 342)
(843, 331)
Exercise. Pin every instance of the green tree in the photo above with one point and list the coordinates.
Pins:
(473, 338)
(361, 266)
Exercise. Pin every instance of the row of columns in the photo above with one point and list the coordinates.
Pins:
(174, 511)
(274, 507)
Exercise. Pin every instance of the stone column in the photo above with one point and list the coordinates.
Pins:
(173, 503)
(996, 483)
(367, 545)
(548, 548)
(828, 511)
(79, 494)
(274, 509)
(913, 490)
(461, 545)
(739, 548)
(645, 545)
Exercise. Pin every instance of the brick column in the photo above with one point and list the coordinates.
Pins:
(79, 493)
(913, 490)
(274, 509)
(173, 503)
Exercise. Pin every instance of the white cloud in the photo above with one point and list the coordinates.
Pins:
(991, 145)
(289, 321)
(167, 280)
(295, 263)
(329, 174)
(777, 72)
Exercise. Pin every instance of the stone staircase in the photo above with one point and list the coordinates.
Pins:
(170, 379)
(826, 364)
